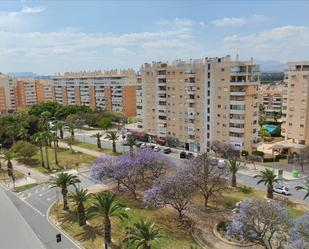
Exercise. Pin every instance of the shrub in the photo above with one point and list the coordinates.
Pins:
(24, 150)
(245, 190)
(244, 153)
(222, 226)
(278, 157)
(258, 153)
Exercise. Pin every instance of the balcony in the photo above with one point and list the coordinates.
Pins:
(237, 102)
(238, 130)
(237, 111)
(237, 93)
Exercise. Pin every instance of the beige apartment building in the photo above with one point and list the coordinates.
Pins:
(109, 90)
(7, 100)
(271, 96)
(190, 104)
(296, 103)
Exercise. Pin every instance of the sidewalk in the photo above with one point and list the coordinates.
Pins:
(83, 150)
(35, 175)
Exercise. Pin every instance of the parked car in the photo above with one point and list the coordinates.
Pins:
(156, 149)
(167, 150)
(143, 146)
(281, 190)
(189, 155)
(221, 164)
(183, 154)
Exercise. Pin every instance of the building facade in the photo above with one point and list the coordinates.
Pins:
(296, 103)
(191, 104)
(272, 100)
(7, 100)
(109, 90)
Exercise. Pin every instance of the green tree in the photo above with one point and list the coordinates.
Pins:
(8, 156)
(98, 136)
(24, 150)
(71, 128)
(105, 205)
(112, 136)
(63, 180)
(263, 132)
(39, 139)
(54, 138)
(268, 177)
(234, 166)
(131, 142)
(143, 235)
(60, 126)
(105, 123)
(47, 136)
(79, 197)
(305, 187)
(262, 120)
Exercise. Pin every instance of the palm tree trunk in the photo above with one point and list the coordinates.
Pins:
(145, 246)
(10, 168)
(270, 194)
(55, 151)
(47, 158)
(61, 133)
(114, 146)
(99, 143)
(65, 199)
(107, 230)
(81, 214)
(42, 157)
(233, 181)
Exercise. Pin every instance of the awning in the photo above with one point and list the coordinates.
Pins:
(287, 144)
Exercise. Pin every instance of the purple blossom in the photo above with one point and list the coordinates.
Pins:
(261, 222)
(299, 234)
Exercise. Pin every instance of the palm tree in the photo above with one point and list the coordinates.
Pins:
(98, 136)
(234, 166)
(8, 156)
(63, 180)
(112, 136)
(79, 197)
(106, 206)
(59, 126)
(47, 136)
(71, 128)
(54, 137)
(264, 133)
(131, 142)
(305, 187)
(39, 139)
(144, 234)
(268, 177)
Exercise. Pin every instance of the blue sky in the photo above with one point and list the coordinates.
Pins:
(56, 36)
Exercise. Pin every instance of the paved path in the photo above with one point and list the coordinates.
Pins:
(83, 150)
(36, 175)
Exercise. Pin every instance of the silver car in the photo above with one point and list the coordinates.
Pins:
(282, 190)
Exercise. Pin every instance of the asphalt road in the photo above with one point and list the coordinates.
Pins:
(33, 205)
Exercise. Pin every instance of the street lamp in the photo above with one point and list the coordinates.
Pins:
(128, 211)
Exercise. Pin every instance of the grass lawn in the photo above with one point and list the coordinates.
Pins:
(94, 147)
(66, 158)
(4, 174)
(25, 187)
(175, 235)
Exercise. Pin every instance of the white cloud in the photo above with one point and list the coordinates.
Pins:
(176, 23)
(238, 21)
(30, 10)
(227, 21)
(122, 51)
(282, 43)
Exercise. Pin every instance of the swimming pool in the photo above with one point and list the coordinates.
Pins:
(270, 127)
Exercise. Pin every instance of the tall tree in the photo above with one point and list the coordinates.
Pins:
(234, 166)
(98, 136)
(79, 197)
(268, 177)
(131, 142)
(54, 138)
(8, 156)
(47, 140)
(143, 235)
(305, 187)
(112, 136)
(63, 180)
(39, 139)
(105, 205)
(71, 129)
(60, 127)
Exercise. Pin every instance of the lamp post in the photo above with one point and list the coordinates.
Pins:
(57, 193)
(128, 211)
(0, 154)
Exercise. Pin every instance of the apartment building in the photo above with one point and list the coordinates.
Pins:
(109, 90)
(271, 96)
(296, 103)
(7, 101)
(29, 91)
(190, 104)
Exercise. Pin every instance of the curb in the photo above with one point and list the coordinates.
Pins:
(50, 221)
(196, 239)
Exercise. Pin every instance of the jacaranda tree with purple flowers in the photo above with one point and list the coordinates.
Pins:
(207, 176)
(174, 189)
(261, 222)
(299, 235)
